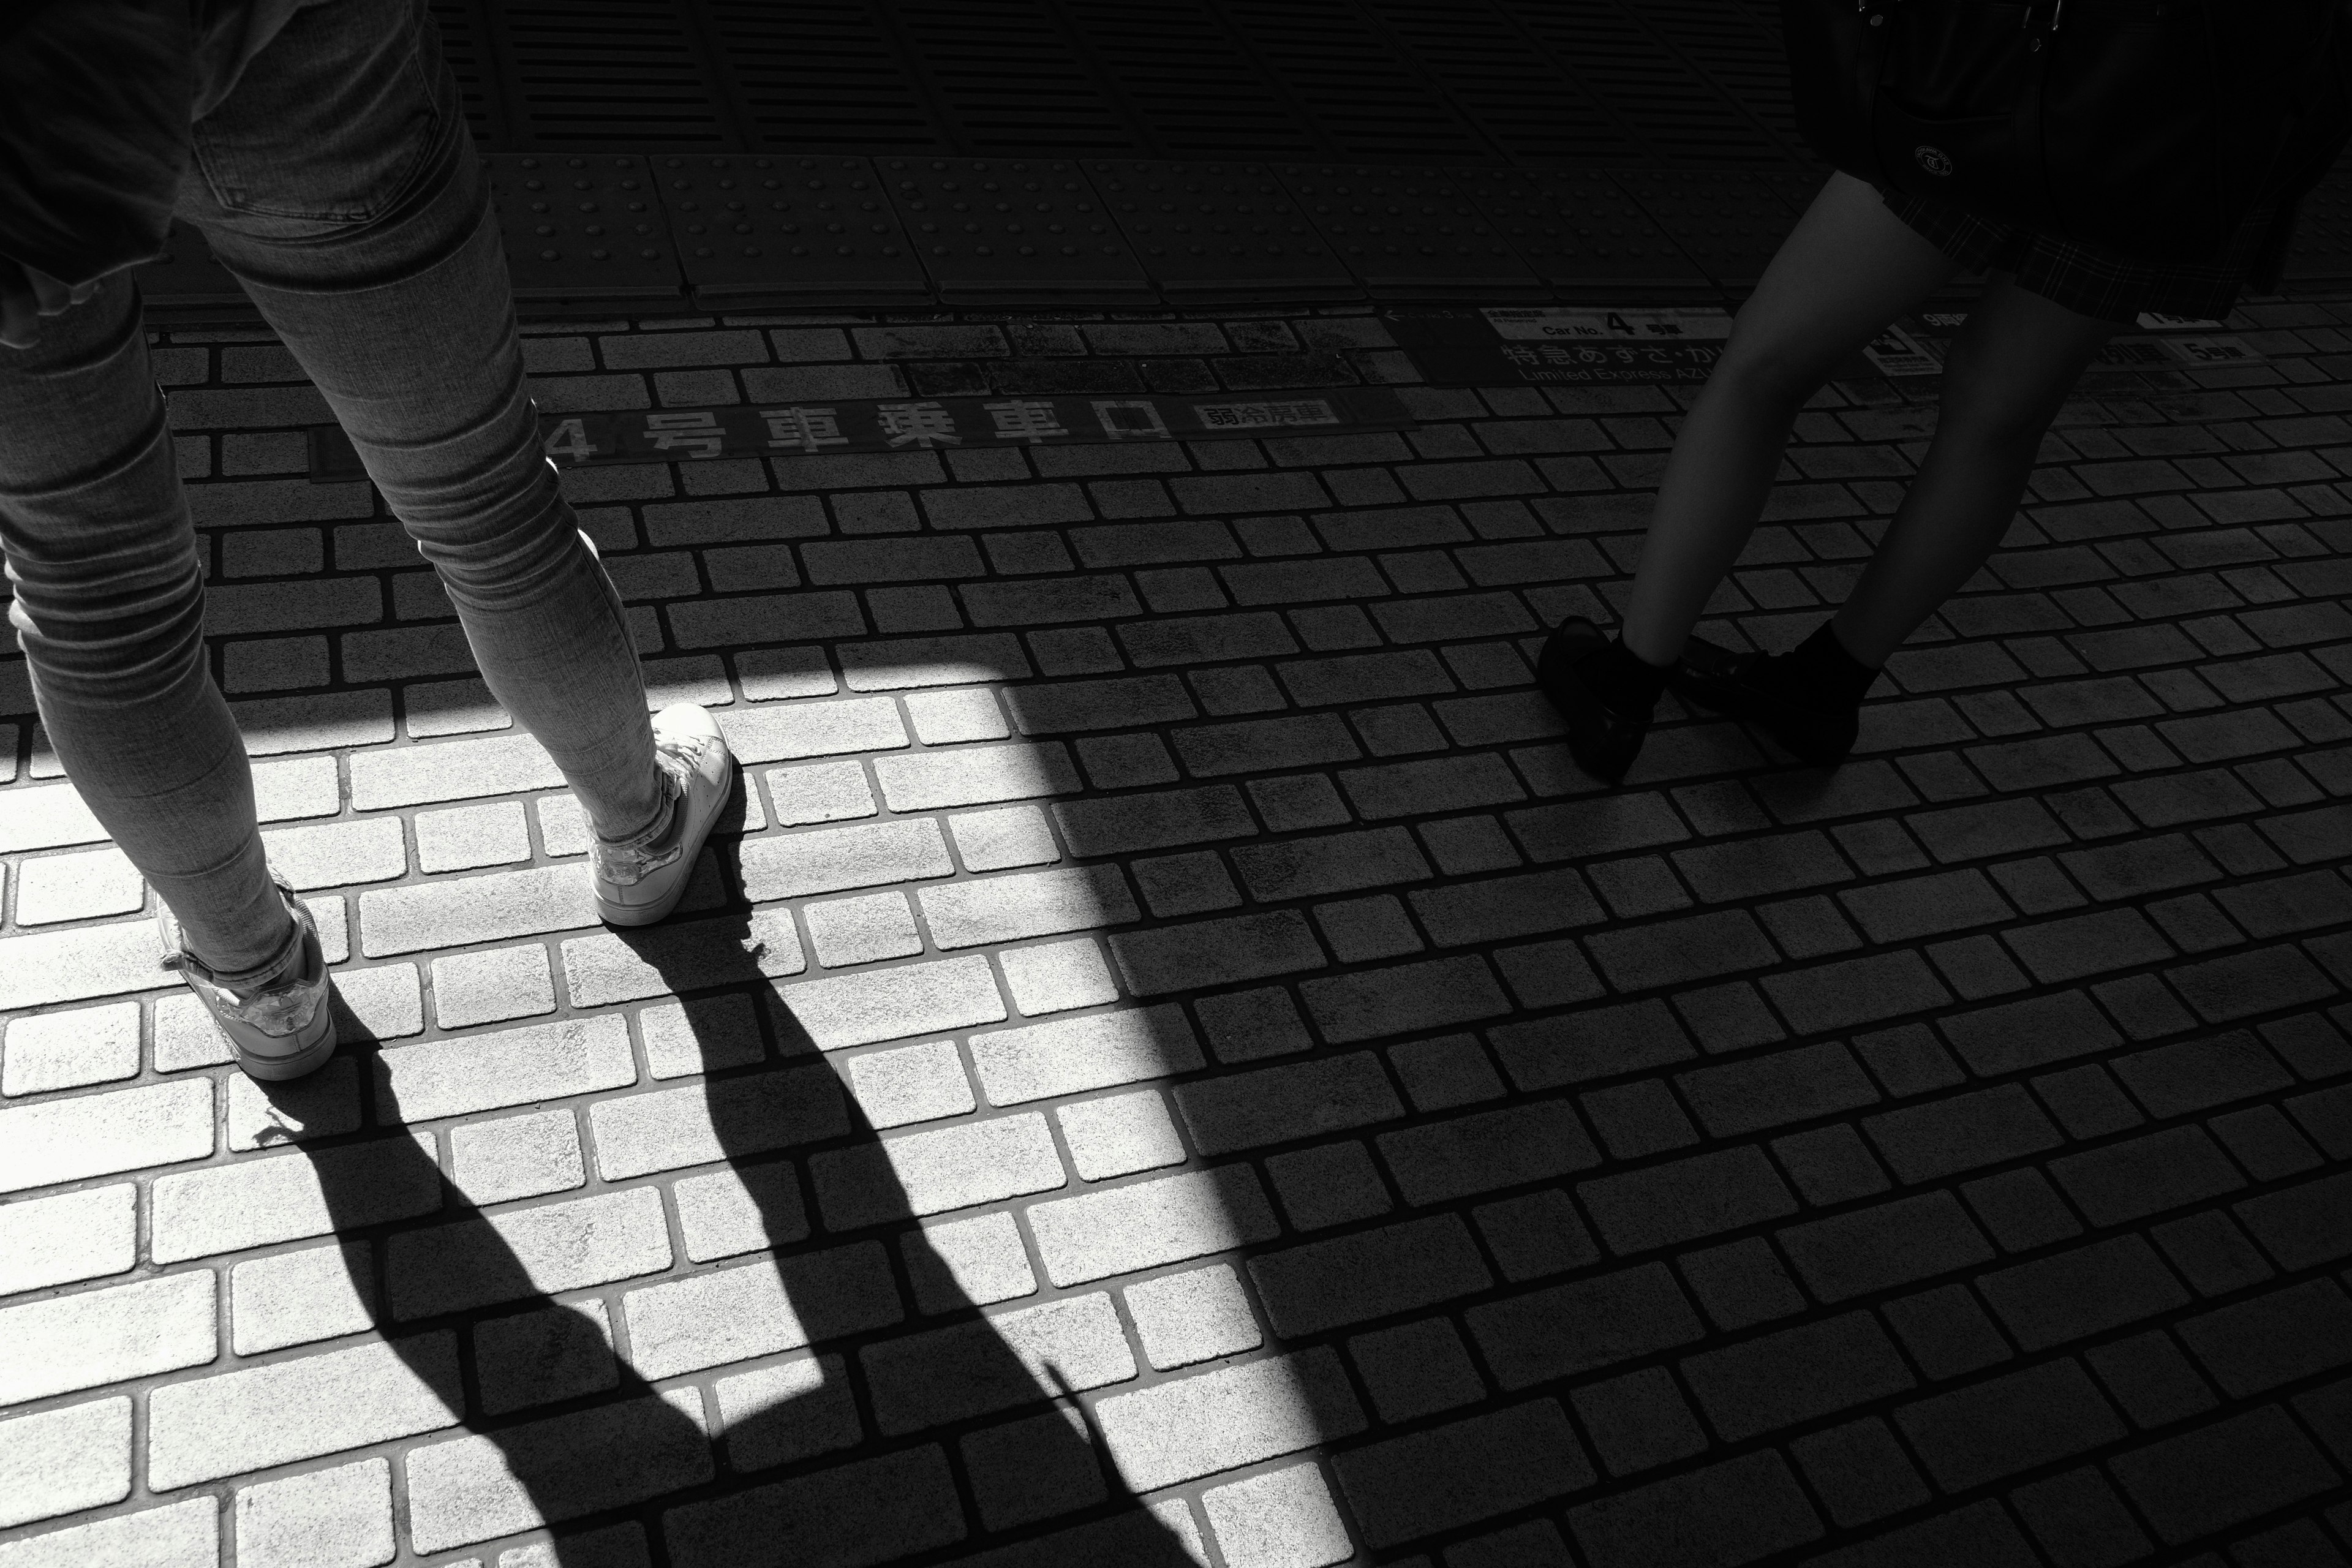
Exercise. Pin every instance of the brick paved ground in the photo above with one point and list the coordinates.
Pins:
(1172, 1062)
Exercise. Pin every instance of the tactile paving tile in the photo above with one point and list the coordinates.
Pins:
(1407, 233)
(1725, 220)
(786, 229)
(1005, 230)
(1209, 232)
(583, 227)
(187, 278)
(2321, 251)
(1582, 235)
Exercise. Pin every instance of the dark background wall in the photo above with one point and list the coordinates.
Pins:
(1537, 82)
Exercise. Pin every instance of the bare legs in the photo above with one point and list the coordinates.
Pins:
(2008, 370)
(1848, 269)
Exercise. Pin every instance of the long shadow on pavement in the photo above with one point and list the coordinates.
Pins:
(924, 1410)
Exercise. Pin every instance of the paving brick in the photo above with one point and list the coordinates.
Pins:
(758, 1308)
(1578, 1327)
(1213, 1421)
(472, 1489)
(294, 1297)
(1279, 1104)
(1039, 904)
(73, 1236)
(1169, 1219)
(500, 1258)
(1860, 1472)
(2251, 1347)
(2089, 1290)
(1485, 1151)
(826, 1517)
(793, 1410)
(109, 1335)
(1698, 1197)
(744, 1209)
(1941, 1138)
(2009, 1424)
(339, 1517)
(186, 1532)
(285, 1198)
(64, 1460)
(737, 1117)
(1216, 952)
(1186, 1319)
(2221, 1475)
(95, 1135)
(1888, 1245)
(1370, 1274)
(974, 775)
(1040, 1061)
(933, 1171)
(1772, 1090)
(276, 1413)
(2146, 1175)
(1732, 1511)
(1284, 1519)
(461, 911)
(1403, 999)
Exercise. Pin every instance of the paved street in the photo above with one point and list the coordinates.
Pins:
(1168, 1062)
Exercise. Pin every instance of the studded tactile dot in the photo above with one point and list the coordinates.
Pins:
(786, 229)
(187, 276)
(1407, 233)
(1579, 232)
(1009, 229)
(581, 227)
(1725, 220)
(1215, 231)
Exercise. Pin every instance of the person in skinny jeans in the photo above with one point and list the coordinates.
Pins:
(337, 179)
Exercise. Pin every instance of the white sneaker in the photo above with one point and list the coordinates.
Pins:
(639, 884)
(276, 1018)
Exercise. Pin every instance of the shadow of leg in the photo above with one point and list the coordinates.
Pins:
(956, 1407)
(598, 1438)
(965, 1429)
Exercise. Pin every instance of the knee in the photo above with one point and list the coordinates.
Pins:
(1768, 371)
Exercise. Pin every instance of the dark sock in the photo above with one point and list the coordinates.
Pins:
(1820, 673)
(1624, 680)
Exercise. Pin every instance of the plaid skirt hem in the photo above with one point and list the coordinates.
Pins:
(2091, 282)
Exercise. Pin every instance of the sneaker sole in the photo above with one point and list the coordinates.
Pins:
(278, 1069)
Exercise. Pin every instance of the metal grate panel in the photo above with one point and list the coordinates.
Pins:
(1367, 98)
(1523, 101)
(584, 227)
(1407, 233)
(1738, 52)
(1211, 231)
(1191, 87)
(1725, 220)
(1009, 79)
(1675, 114)
(1012, 230)
(1582, 234)
(823, 75)
(608, 74)
(466, 45)
(753, 226)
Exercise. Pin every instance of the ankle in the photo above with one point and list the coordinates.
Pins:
(1821, 671)
(1624, 680)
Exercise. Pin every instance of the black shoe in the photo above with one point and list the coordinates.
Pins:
(1815, 725)
(1604, 738)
